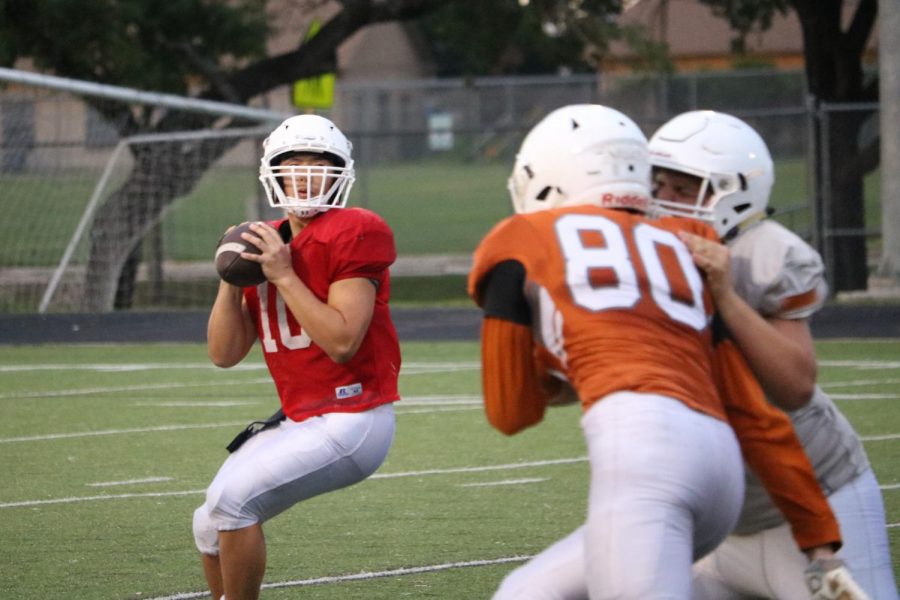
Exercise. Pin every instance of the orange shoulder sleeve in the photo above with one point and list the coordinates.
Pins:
(771, 448)
(513, 396)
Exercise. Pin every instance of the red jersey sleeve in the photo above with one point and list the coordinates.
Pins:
(363, 248)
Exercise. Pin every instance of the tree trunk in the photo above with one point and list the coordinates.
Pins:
(834, 74)
(889, 79)
(845, 224)
(163, 173)
(135, 208)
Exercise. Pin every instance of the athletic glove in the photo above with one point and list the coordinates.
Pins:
(829, 579)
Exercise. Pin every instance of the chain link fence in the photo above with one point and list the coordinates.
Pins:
(432, 157)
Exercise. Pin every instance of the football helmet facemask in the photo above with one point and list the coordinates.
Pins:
(582, 154)
(728, 156)
(315, 188)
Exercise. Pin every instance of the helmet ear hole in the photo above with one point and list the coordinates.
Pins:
(739, 208)
(544, 193)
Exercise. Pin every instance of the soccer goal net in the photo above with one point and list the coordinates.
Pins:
(94, 222)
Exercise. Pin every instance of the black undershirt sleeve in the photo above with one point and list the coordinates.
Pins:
(503, 293)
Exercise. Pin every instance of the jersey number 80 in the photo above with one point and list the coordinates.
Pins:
(581, 260)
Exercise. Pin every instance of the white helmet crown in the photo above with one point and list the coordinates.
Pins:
(315, 188)
(731, 160)
(582, 154)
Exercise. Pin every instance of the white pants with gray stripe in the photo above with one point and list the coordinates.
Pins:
(282, 466)
(666, 488)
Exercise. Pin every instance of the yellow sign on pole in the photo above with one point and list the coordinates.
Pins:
(313, 92)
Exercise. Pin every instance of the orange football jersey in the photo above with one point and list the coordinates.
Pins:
(615, 297)
(617, 304)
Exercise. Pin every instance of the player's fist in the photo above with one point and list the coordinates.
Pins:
(233, 268)
(829, 579)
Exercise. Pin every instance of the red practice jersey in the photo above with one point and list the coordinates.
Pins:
(338, 244)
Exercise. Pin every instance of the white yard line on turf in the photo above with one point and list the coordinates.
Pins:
(453, 403)
(415, 369)
(52, 394)
(505, 482)
(880, 438)
(364, 576)
(196, 404)
(858, 383)
(128, 481)
(80, 434)
(412, 367)
(861, 364)
(124, 367)
(863, 396)
(482, 469)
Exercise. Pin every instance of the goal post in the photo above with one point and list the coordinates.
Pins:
(93, 220)
(185, 265)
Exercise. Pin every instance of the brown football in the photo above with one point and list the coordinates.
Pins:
(231, 267)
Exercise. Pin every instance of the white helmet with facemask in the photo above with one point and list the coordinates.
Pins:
(314, 188)
(582, 154)
(728, 156)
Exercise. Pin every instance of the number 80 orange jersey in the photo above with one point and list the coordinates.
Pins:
(615, 296)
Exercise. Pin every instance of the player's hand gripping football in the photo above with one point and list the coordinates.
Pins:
(829, 579)
(274, 255)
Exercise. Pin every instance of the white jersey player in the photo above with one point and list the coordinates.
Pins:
(767, 283)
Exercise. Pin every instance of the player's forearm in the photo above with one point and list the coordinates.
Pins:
(771, 448)
(513, 396)
(337, 330)
(782, 367)
(229, 332)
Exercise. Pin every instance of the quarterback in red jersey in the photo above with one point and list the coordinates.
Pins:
(323, 321)
(613, 297)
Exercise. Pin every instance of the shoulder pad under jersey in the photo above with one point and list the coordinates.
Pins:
(777, 273)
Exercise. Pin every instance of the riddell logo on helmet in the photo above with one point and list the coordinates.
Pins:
(624, 200)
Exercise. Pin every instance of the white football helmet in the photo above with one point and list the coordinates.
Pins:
(582, 154)
(731, 160)
(316, 188)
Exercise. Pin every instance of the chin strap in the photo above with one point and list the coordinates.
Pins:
(746, 224)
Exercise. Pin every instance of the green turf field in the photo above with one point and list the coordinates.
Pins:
(106, 451)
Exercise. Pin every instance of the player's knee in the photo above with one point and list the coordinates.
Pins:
(226, 508)
(206, 534)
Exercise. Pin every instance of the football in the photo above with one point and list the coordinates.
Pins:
(231, 267)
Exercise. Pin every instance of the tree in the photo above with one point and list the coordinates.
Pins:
(216, 47)
(834, 72)
(521, 37)
(889, 67)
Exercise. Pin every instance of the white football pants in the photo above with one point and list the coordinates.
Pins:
(666, 488)
(289, 463)
(768, 564)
